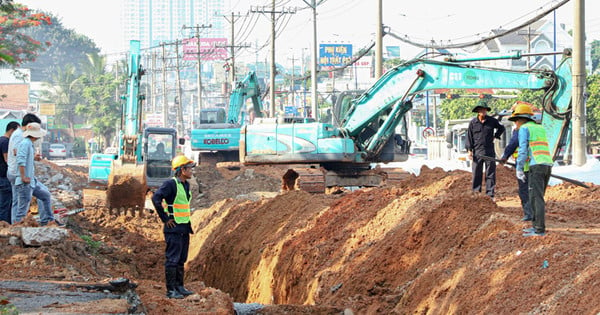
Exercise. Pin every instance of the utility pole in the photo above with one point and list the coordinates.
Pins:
(199, 59)
(293, 85)
(528, 33)
(232, 47)
(272, 12)
(379, 41)
(164, 86)
(179, 102)
(313, 72)
(153, 83)
(579, 78)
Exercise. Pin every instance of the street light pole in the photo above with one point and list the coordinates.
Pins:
(313, 75)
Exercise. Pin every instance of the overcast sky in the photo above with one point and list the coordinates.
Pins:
(347, 21)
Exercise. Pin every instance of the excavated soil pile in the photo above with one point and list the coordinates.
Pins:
(425, 245)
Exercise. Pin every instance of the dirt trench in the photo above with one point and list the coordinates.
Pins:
(425, 245)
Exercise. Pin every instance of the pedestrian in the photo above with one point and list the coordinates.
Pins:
(177, 228)
(533, 148)
(5, 186)
(511, 150)
(13, 145)
(27, 185)
(480, 142)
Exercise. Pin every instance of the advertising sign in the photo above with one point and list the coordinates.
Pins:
(154, 120)
(48, 109)
(210, 49)
(334, 55)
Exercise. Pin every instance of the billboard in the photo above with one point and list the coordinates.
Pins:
(210, 49)
(48, 109)
(334, 55)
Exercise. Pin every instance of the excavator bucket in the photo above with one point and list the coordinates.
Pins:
(126, 187)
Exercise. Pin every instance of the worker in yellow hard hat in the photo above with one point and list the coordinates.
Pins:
(520, 108)
(175, 214)
(534, 152)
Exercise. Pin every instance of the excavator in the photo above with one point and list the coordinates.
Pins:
(217, 136)
(371, 131)
(143, 160)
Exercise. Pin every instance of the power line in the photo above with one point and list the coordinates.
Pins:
(432, 44)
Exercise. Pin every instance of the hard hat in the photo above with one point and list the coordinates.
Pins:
(522, 108)
(481, 104)
(517, 116)
(181, 160)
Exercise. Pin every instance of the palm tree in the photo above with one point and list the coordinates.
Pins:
(64, 91)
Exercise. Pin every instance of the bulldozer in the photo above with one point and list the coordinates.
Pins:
(143, 161)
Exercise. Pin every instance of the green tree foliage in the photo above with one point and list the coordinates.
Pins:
(593, 107)
(98, 105)
(16, 47)
(462, 107)
(64, 91)
(67, 47)
(595, 55)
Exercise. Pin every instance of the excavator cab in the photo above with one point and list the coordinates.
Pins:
(160, 146)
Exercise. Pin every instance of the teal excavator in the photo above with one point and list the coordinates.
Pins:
(373, 129)
(143, 160)
(216, 137)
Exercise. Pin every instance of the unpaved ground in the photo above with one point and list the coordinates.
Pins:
(426, 245)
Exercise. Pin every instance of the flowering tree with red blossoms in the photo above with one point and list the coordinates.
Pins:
(16, 47)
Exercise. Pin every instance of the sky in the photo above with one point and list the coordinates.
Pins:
(338, 21)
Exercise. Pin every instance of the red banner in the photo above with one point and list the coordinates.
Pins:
(210, 49)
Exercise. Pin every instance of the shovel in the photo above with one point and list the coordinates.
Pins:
(566, 179)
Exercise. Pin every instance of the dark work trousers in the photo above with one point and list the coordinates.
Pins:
(539, 175)
(177, 249)
(5, 199)
(490, 174)
(524, 196)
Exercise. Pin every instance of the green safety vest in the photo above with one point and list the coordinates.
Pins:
(538, 144)
(181, 205)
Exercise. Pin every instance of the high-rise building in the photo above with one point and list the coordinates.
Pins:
(156, 21)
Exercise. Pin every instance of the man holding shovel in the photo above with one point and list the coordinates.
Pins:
(533, 149)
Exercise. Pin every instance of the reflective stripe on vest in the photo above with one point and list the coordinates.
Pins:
(181, 205)
(538, 144)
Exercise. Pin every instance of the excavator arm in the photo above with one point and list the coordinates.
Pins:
(374, 115)
(245, 89)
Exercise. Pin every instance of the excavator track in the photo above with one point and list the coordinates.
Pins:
(311, 180)
(395, 175)
(319, 180)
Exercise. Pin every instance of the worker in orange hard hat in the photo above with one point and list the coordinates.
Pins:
(175, 214)
(520, 108)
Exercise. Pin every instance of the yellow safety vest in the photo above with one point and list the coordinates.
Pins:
(538, 144)
(181, 205)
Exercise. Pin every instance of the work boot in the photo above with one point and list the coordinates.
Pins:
(171, 279)
(179, 286)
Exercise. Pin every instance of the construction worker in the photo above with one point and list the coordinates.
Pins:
(175, 214)
(479, 143)
(511, 150)
(533, 148)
